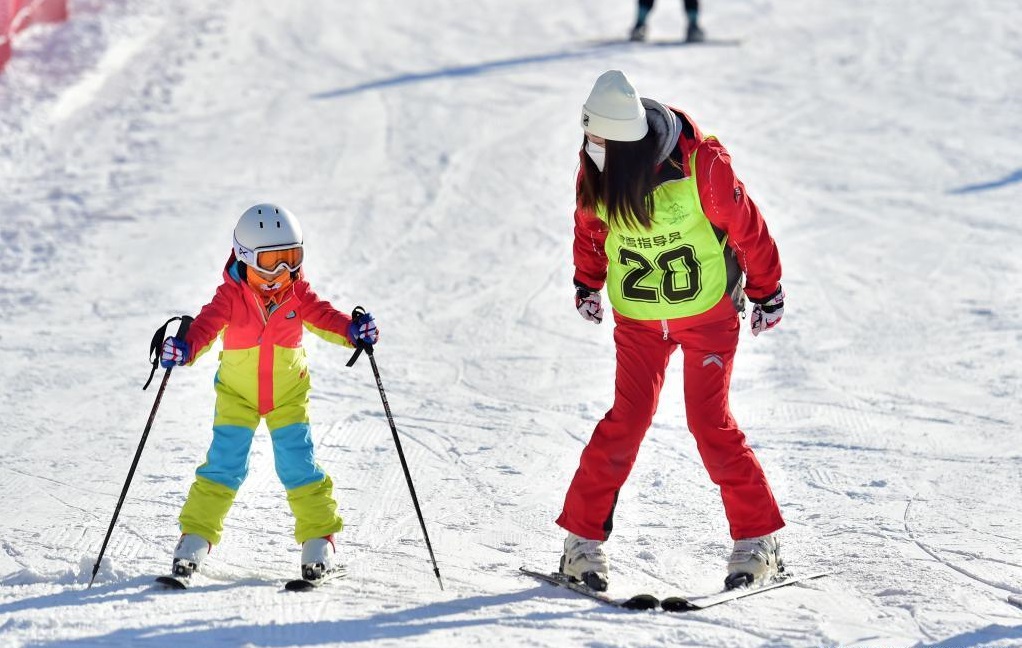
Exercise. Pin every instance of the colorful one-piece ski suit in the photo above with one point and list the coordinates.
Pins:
(263, 374)
(677, 284)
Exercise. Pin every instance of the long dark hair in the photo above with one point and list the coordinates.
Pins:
(625, 186)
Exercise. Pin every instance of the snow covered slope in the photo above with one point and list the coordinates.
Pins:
(430, 151)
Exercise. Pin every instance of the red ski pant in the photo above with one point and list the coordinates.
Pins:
(643, 349)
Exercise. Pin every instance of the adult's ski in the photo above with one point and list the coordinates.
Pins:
(638, 602)
(688, 604)
(669, 604)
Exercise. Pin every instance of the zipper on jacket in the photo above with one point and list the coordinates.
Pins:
(262, 309)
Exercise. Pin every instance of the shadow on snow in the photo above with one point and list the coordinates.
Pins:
(475, 69)
(104, 593)
(1011, 178)
(988, 634)
(400, 624)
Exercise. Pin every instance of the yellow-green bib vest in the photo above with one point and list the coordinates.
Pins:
(677, 267)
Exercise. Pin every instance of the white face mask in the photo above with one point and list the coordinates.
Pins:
(597, 154)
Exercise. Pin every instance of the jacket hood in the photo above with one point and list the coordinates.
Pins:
(665, 124)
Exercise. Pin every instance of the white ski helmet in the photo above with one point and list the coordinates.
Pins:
(267, 237)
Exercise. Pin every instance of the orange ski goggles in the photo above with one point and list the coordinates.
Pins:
(268, 286)
(270, 260)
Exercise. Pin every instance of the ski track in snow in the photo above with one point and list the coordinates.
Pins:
(430, 151)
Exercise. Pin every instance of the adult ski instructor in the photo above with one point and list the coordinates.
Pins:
(664, 224)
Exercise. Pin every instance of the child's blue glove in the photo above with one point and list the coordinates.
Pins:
(363, 329)
(175, 352)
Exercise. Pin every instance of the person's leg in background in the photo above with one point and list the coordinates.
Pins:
(693, 33)
(639, 30)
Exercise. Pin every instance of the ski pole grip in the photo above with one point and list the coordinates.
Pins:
(359, 345)
(156, 344)
(186, 323)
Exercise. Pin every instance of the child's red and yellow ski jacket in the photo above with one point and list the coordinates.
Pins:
(263, 359)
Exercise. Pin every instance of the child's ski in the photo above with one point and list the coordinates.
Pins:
(638, 602)
(174, 582)
(298, 585)
(304, 585)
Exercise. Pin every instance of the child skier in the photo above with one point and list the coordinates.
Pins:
(259, 311)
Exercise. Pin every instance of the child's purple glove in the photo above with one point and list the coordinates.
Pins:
(175, 352)
(363, 329)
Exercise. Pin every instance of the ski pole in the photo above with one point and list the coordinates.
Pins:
(154, 353)
(368, 348)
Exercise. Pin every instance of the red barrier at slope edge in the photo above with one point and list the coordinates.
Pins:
(6, 11)
(16, 15)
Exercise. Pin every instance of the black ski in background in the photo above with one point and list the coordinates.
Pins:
(664, 42)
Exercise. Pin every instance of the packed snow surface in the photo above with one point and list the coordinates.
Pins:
(429, 149)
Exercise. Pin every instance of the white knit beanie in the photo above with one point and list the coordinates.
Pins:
(614, 110)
